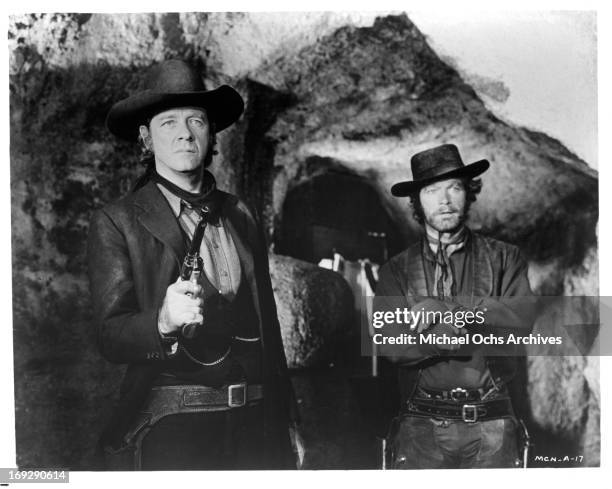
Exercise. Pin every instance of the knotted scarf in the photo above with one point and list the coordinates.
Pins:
(443, 246)
(207, 202)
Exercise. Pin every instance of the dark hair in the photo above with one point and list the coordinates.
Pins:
(472, 187)
(146, 157)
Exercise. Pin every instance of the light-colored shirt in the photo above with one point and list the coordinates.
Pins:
(218, 251)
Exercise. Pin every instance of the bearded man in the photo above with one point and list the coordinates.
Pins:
(456, 411)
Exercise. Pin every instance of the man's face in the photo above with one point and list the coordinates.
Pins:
(443, 204)
(180, 139)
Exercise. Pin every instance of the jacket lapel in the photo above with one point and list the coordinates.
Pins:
(482, 267)
(415, 270)
(238, 228)
(157, 217)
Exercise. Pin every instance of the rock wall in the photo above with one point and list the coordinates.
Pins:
(564, 391)
(368, 98)
(324, 92)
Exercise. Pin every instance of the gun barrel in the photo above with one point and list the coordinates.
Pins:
(198, 234)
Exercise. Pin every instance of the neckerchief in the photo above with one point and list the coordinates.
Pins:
(444, 245)
(207, 203)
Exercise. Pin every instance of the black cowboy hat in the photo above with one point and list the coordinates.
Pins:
(435, 164)
(170, 84)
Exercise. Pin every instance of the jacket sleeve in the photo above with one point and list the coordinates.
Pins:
(125, 333)
(390, 297)
(516, 306)
(266, 294)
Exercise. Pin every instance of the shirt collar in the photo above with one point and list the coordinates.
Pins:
(430, 248)
(174, 201)
(177, 204)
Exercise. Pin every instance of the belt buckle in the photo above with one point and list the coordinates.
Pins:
(237, 395)
(459, 394)
(469, 413)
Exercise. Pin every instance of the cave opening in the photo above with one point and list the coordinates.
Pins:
(336, 212)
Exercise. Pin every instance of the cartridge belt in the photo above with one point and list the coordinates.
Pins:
(458, 394)
(468, 412)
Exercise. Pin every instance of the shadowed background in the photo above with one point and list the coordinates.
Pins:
(332, 118)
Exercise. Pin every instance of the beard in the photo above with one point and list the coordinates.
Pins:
(446, 222)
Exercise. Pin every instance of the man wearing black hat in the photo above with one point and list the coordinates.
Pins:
(456, 411)
(206, 385)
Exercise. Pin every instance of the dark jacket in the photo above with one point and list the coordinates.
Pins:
(135, 251)
(499, 284)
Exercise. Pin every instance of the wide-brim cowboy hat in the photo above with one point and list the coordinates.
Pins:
(436, 164)
(171, 84)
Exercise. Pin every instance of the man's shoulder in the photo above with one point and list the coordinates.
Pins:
(231, 201)
(233, 204)
(143, 197)
(124, 206)
(494, 245)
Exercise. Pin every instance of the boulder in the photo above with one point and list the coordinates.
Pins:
(563, 382)
(315, 311)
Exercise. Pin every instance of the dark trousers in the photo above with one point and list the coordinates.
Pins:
(219, 440)
(430, 443)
